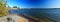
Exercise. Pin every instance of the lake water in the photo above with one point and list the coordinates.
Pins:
(53, 14)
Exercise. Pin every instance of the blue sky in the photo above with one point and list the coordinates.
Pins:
(13, 3)
(35, 3)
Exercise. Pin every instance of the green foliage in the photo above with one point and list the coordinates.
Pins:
(3, 8)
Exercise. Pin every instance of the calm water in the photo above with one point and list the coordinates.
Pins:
(40, 13)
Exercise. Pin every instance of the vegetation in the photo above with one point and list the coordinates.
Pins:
(3, 8)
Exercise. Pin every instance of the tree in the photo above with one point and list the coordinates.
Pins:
(3, 8)
(14, 6)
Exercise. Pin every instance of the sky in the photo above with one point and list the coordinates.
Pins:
(35, 3)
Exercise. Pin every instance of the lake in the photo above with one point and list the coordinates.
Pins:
(53, 14)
